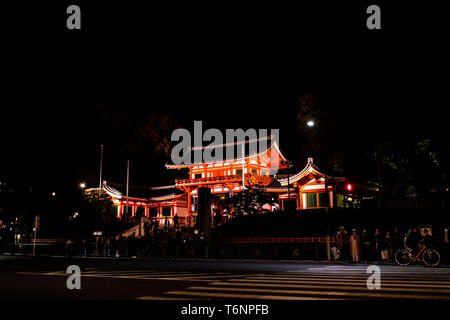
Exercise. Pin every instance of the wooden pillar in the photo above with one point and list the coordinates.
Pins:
(189, 201)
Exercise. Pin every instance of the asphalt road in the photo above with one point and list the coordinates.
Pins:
(26, 278)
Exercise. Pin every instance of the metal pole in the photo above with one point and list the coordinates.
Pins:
(101, 167)
(328, 222)
(243, 167)
(34, 240)
(289, 192)
(128, 181)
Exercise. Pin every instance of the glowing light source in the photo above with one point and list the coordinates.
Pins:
(82, 185)
(310, 123)
(349, 187)
(53, 194)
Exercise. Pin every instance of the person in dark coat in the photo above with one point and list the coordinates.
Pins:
(366, 244)
(446, 244)
(377, 245)
(412, 240)
(342, 243)
(1, 245)
(132, 246)
(175, 222)
(388, 245)
(113, 245)
(397, 242)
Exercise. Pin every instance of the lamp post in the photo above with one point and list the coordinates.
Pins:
(82, 186)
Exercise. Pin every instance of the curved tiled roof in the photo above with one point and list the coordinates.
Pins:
(272, 144)
(310, 167)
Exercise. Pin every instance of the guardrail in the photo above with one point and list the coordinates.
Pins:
(277, 240)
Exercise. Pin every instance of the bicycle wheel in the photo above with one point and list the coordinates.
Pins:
(402, 257)
(431, 258)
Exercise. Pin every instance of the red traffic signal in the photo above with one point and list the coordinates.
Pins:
(349, 187)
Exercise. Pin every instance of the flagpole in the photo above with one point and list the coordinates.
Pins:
(243, 167)
(101, 167)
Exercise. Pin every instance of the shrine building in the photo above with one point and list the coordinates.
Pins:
(308, 189)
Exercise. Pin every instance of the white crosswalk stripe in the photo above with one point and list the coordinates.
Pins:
(145, 275)
(307, 286)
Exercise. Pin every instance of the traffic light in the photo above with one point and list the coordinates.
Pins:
(349, 187)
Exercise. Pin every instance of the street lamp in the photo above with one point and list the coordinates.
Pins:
(310, 123)
(82, 186)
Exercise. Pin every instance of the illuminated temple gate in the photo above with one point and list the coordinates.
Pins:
(308, 189)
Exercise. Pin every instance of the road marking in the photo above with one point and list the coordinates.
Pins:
(200, 277)
(343, 281)
(162, 298)
(368, 294)
(326, 286)
(247, 296)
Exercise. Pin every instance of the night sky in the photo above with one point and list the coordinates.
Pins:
(228, 66)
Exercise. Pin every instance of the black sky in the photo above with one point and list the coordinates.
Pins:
(196, 61)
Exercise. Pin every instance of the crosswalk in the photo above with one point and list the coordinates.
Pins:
(316, 283)
(315, 287)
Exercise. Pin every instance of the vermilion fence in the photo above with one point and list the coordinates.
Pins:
(277, 240)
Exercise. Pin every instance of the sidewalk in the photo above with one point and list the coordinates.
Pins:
(243, 260)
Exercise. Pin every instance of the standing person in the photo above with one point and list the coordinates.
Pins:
(113, 245)
(354, 245)
(133, 246)
(166, 225)
(377, 245)
(122, 247)
(365, 245)
(175, 222)
(342, 243)
(396, 240)
(84, 245)
(388, 245)
(447, 244)
(156, 226)
(107, 248)
(69, 248)
(100, 245)
(1, 245)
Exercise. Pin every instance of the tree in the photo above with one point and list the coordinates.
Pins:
(251, 201)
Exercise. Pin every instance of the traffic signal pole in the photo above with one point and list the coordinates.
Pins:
(36, 223)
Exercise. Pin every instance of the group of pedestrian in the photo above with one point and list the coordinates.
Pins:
(364, 246)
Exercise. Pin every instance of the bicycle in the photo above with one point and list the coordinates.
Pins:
(428, 256)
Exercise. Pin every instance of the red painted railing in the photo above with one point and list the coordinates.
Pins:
(277, 240)
(237, 177)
